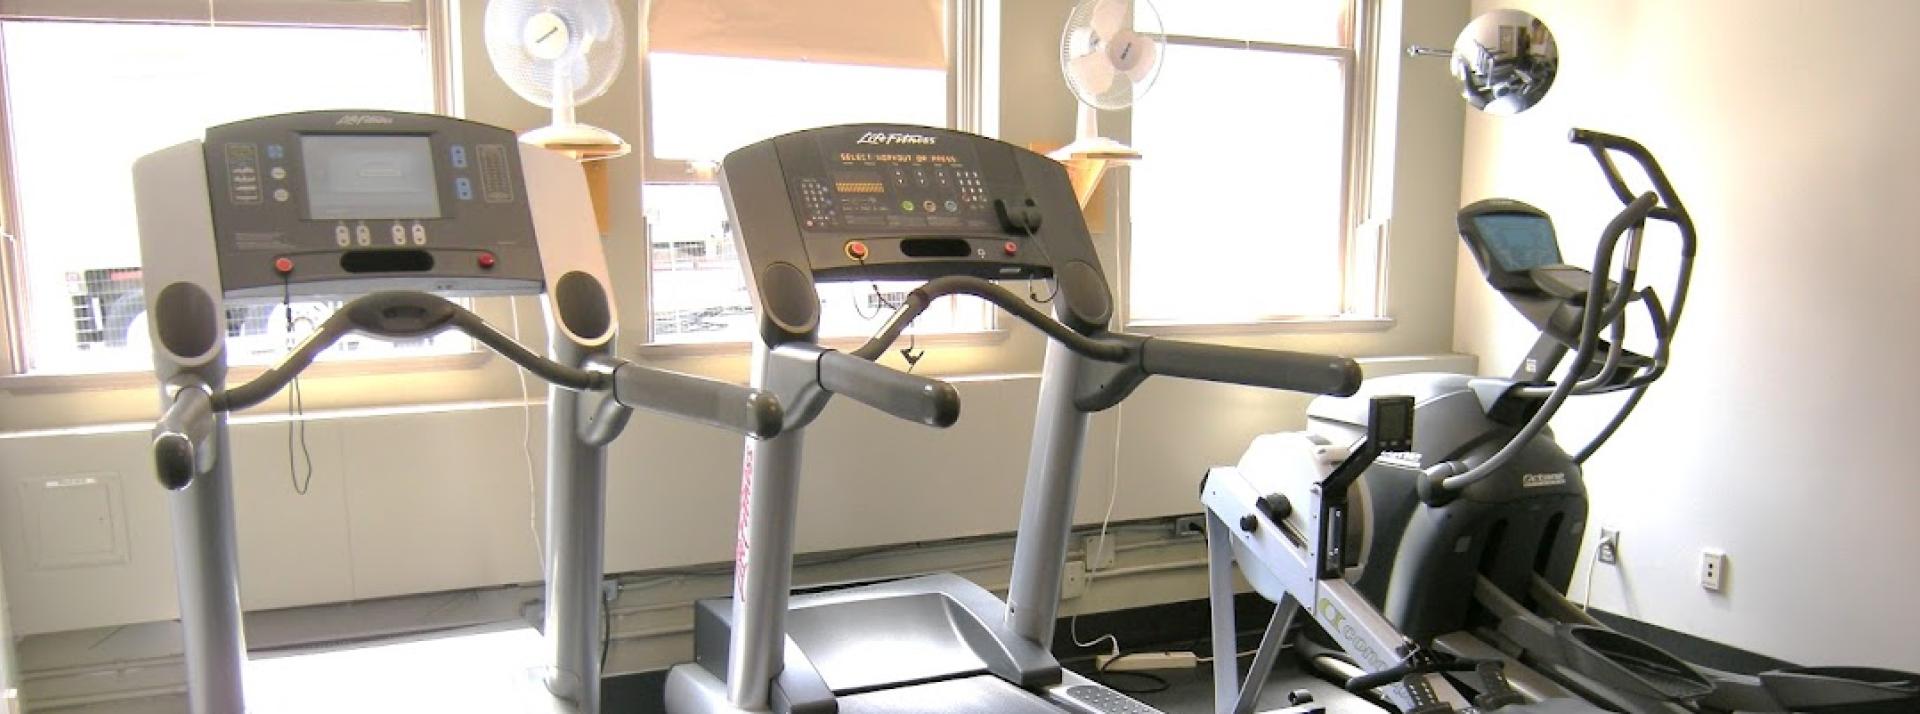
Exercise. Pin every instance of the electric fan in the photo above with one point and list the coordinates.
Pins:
(1110, 55)
(559, 54)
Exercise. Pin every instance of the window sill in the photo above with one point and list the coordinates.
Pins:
(664, 350)
(102, 381)
(1312, 325)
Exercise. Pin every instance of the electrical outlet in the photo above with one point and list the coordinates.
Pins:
(1609, 547)
(1713, 570)
(1099, 552)
(609, 590)
(1190, 526)
(1073, 583)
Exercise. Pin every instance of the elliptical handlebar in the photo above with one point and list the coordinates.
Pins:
(1450, 477)
(1663, 203)
(1670, 208)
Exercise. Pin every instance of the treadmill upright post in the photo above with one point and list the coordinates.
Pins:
(763, 551)
(207, 566)
(1046, 506)
(170, 193)
(576, 512)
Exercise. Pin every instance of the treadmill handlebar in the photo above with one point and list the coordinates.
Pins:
(183, 436)
(746, 410)
(911, 397)
(1276, 369)
(1254, 367)
(401, 315)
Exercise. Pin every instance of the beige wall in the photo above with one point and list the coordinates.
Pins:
(9, 667)
(1779, 434)
(382, 521)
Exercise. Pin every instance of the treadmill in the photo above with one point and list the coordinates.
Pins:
(389, 211)
(886, 202)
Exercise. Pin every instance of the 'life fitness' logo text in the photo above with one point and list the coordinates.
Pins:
(362, 120)
(882, 138)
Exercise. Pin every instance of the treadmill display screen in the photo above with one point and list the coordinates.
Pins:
(892, 182)
(369, 177)
(1518, 242)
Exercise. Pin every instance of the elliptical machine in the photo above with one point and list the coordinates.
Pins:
(1467, 542)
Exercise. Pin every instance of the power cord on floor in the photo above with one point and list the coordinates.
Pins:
(1155, 683)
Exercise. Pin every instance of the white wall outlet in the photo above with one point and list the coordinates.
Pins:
(1713, 570)
(1190, 526)
(1099, 552)
(1609, 547)
(1073, 583)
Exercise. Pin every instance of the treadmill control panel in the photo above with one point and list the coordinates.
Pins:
(335, 203)
(901, 202)
(882, 187)
(864, 202)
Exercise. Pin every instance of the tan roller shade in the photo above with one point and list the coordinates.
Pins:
(892, 33)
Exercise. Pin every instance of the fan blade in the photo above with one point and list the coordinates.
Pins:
(1145, 55)
(1109, 17)
(1092, 72)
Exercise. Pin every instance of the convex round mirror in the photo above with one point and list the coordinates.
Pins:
(1506, 61)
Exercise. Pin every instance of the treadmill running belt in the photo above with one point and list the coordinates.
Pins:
(969, 695)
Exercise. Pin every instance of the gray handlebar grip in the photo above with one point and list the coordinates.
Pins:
(181, 438)
(1274, 369)
(708, 401)
(911, 397)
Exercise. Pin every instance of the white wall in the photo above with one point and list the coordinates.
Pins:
(1780, 433)
(9, 668)
(385, 519)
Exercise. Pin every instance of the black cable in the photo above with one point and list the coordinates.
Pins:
(912, 353)
(606, 632)
(296, 404)
(1031, 293)
(1156, 683)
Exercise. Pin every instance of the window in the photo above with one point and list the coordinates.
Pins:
(85, 97)
(1243, 210)
(778, 66)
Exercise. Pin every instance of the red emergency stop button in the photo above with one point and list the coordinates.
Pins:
(283, 265)
(486, 260)
(856, 250)
(1011, 248)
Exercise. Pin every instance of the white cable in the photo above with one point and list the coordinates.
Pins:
(526, 449)
(1113, 496)
(1586, 591)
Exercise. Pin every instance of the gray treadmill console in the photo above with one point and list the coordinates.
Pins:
(340, 203)
(892, 202)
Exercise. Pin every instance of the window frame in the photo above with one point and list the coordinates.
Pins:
(433, 17)
(969, 30)
(1363, 283)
